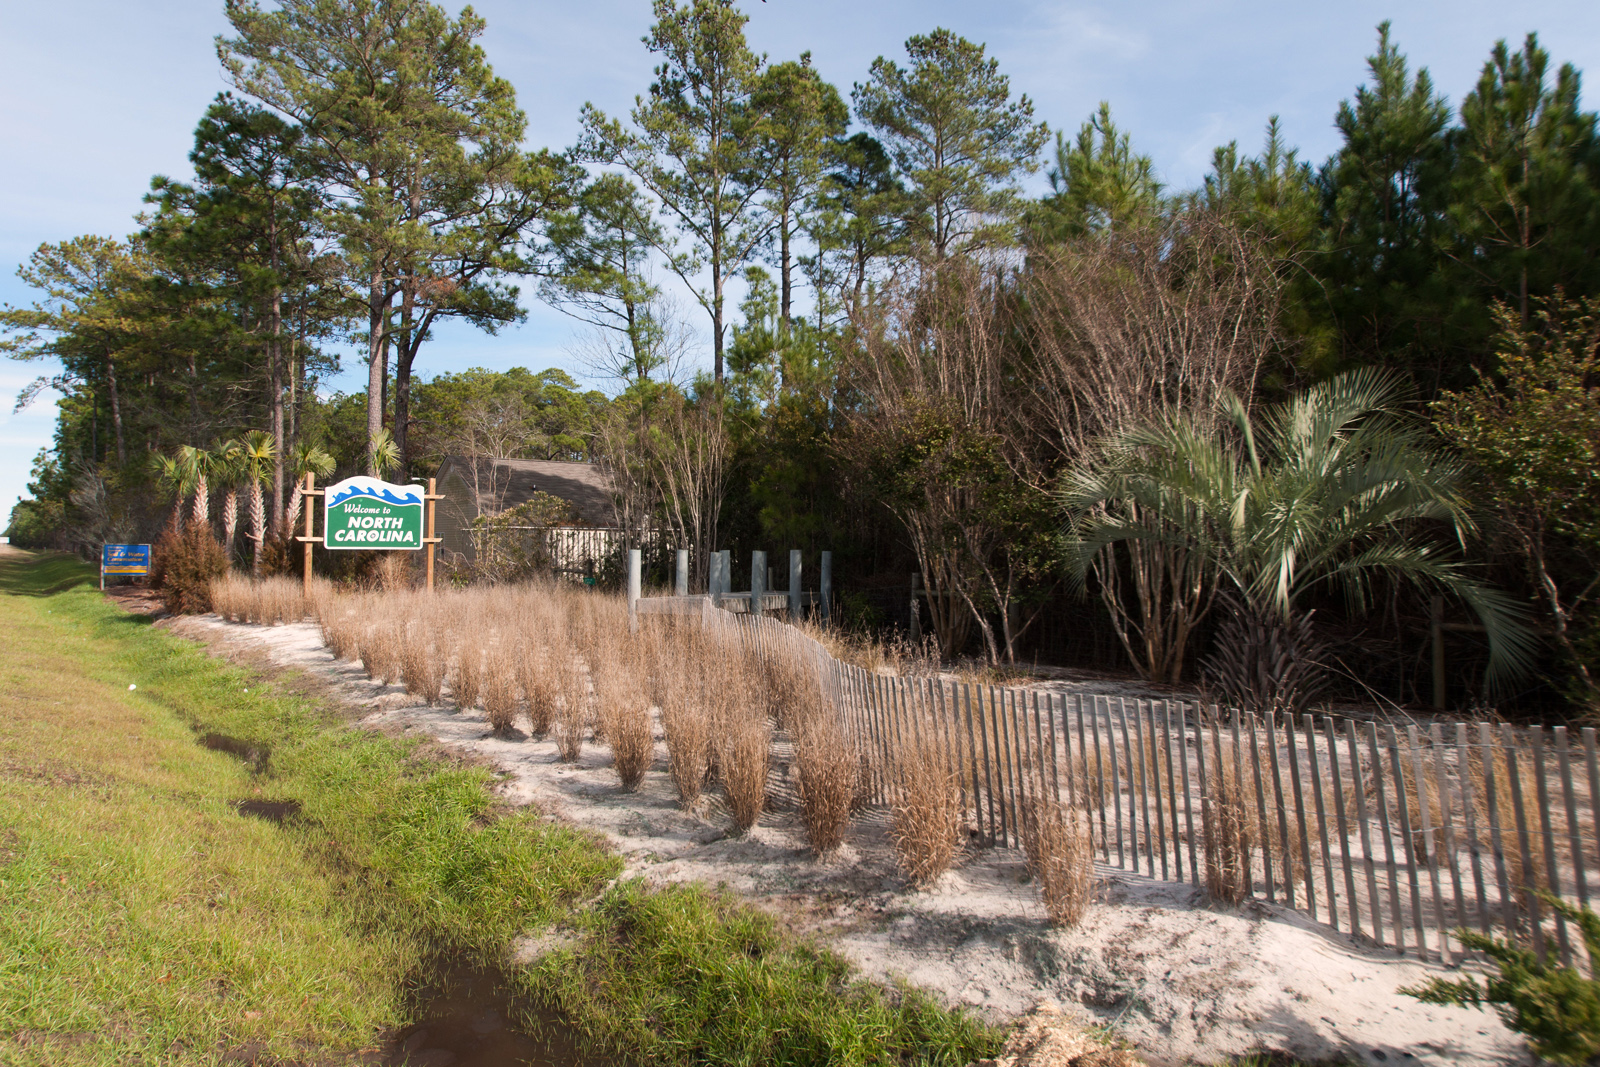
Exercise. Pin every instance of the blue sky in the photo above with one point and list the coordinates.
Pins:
(100, 95)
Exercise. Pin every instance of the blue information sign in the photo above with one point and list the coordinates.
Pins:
(125, 559)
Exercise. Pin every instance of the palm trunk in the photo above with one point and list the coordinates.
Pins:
(258, 526)
(200, 513)
(116, 410)
(230, 519)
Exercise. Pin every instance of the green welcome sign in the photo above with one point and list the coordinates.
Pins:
(364, 513)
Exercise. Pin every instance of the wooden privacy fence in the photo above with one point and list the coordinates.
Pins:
(1397, 834)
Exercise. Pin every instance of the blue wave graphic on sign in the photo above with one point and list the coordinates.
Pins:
(384, 495)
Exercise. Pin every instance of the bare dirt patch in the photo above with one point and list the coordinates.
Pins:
(1177, 979)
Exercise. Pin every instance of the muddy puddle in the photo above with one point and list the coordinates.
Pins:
(465, 1021)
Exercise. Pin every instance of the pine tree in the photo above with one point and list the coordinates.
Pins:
(958, 138)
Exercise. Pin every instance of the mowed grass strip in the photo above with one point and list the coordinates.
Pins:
(143, 918)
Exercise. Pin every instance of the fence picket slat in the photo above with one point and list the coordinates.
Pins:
(996, 833)
(1592, 768)
(1403, 810)
(1261, 811)
(1569, 801)
(1073, 786)
(1144, 786)
(1429, 845)
(1050, 713)
(1332, 899)
(1287, 856)
(1552, 872)
(1359, 787)
(1008, 796)
(1310, 883)
(1100, 770)
(1208, 806)
(1160, 794)
(1188, 803)
(1341, 820)
(1469, 817)
(1172, 790)
(1496, 837)
(1133, 791)
(1397, 916)
(1524, 847)
(965, 700)
(1116, 781)
(1441, 786)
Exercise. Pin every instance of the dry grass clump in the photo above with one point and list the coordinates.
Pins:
(828, 767)
(540, 687)
(927, 810)
(744, 760)
(1229, 832)
(467, 679)
(267, 602)
(499, 686)
(341, 632)
(686, 721)
(422, 664)
(383, 650)
(572, 713)
(1060, 854)
(622, 708)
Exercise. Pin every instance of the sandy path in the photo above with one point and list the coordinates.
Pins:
(1178, 979)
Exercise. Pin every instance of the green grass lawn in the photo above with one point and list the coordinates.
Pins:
(147, 917)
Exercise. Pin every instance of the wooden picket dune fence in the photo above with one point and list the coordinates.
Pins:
(1400, 835)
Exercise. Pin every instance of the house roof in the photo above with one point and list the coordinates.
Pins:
(515, 480)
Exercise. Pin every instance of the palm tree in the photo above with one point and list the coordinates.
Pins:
(196, 464)
(227, 469)
(304, 458)
(177, 478)
(1332, 488)
(256, 453)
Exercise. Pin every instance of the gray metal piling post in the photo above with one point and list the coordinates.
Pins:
(794, 585)
(718, 577)
(635, 567)
(758, 580)
(825, 587)
(681, 578)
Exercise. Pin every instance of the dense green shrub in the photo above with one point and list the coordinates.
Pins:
(36, 523)
(1555, 1007)
(183, 567)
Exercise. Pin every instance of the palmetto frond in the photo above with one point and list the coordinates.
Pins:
(1332, 488)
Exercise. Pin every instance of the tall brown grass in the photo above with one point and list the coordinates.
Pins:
(1060, 853)
(1229, 831)
(265, 601)
(927, 809)
(499, 685)
(382, 650)
(622, 704)
(827, 765)
(422, 664)
(745, 762)
(536, 670)
(686, 722)
(467, 677)
(572, 714)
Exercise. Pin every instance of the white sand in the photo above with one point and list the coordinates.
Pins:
(1179, 980)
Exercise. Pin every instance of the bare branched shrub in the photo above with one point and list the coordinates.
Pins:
(1056, 840)
(927, 810)
(499, 686)
(745, 760)
(828, 766)
(422, 663)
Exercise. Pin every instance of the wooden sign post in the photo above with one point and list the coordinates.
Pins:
(308, 492)
(429, 539)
